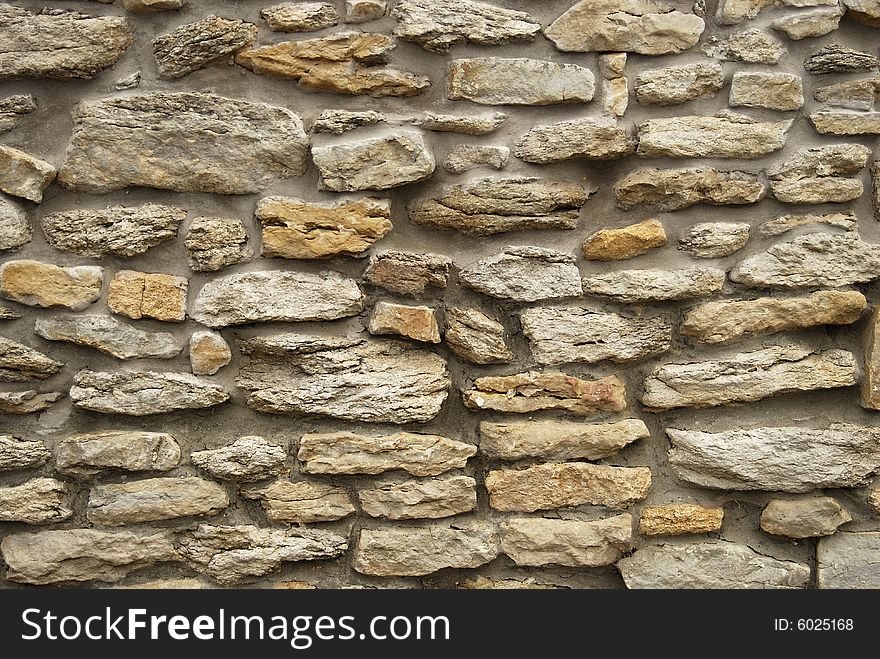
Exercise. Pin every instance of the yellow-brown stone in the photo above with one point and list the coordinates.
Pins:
(680, 518)
(147, 295)
(414, 322)
(46, 285)
(626, 242)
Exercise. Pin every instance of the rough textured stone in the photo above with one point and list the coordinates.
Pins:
(732, 12)
(276, 295)
(814, 176)
(363, 11)
(864, 11)
(803, 518)
(116, 450)
(816, 259)
(46, 285)
(26, 402)
(338, 122)
(15, 230)
(870, 395)
(780, 225)
(347, 453)
(194, 45)
(423, 499)
(77, 555)
(637, 26)
(626, 242)
(615, 96)
(875, 188)
(678, 84)
(518, 81)
(154, 499)
(142, 393)
(18, 453)
(302, 502)
(208, 352)
(475, 337)
(564, 335)
(82, 45)
(376, 163)
(439, 24)
(7, 313)
(531, 541)
(20, 363)
(809, 24)
(728, 136)
(848, 560)
(408, 273)
(298, 229)
(23, 175)
(12, 108)
(148, 295)
(352, 378)
(149, 140)
(246, 459)
(212, 243)
(630, 286)
(416, 551)
(748, 376)
(587, 139)
(151, 6)
(524, 274)
(413, 322)
(343, 63)
(466, 157)
(558, 440)
(680, 519)
(488, 206)
(232, 553)
(712, 240)
(37, 501)
(484, 583)
(108, 335)
(675, 189)
(794, 459)
(774, 91)
(750, 46)
(529, 392)
(558, 485)
(850, 94)
(837, 59)
(480, 124)
(845, 122)
(300, 16)
(727, 320)
(713, 564)
(115, 230)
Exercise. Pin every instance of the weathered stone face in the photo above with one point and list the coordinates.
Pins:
(208, 352)
(466, 157)
(212, 243)
(377, 163)
(27, 402)
(846, 122)
(14, 228)
(20, 363)
(18, 453)
(847, 560)
(807, 24)
(46, 285)
(475, 337)
(534, 541)
(871, 380)
(300, 16)
(518, 81)
(13, 108)
(588, 139)
(780, 225)
(712, 240)
(774, 91)
(154, 499)
(407, 273)
(680, 519)
(148, 295)
(729, 136)
(674, 189)
(751, 46)
(678, 84)
(37, 501)
(818, 175)
(732, 12)
(834, 58)
(418, 323)
(478, 124)
(630, 286)
(524, 274)
(809, 517)
(149, 140)
(23, 175)
(850, 94)
(302, 502)
(194, 45)
(119, 450)
(246, 459)
(626, 242)
(424, 499)
(108, 335)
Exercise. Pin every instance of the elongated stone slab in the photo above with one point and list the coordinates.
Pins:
(678, 84)
(302, 502)
(680, 519)
(846, 221)
(786, 459)
(27, 402)
(819, 175)
(558, 440)
(376, 163)
(246, 459)
(420, 499)
(16, 453)
(20, 363)
(116, 450)
(748, 376)
(37, 501)
(846, 122)
(475, 337)
(710, 564)
(108, 335)
(46, 285)
(150, 139)
(154, 499)
(531, 541)
(848, 560)
(564, 335)
(560, 485)
(276, 295)
(728, 136)
(809, 517)
(524, 274)
(192, 46)
(406, 272)
(416, 551)
(518, 81)
(629, 286)
(415, 453)
(352, 378)
(675, 189)
(587, 139)
(712, 240)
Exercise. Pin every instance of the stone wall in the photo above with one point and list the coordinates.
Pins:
(439, 294)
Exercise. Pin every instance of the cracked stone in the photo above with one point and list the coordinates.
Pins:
(212, 243)
(108, 335)
(675, 189)
(834, 58)
(192, 46)
(208, 352)
(531, 541)
(813, 176)
(475, 337)
(408, 273)
(780, 225)
(364, 11)
(809, 517)
(529, 392)
(302, 502)
(632, 286)
(246, 459)
(154, 499)
(20, 363)
(518, 81)
(524, 274)
(420, 499)
(466, 157)
(848, 560)
(750, 46)
(37, 501)
(678, 84)
(148, 295)
(88, 455)
(712, 240)
(300, 16)
(588, 139)
(18, 453)
(680, 519)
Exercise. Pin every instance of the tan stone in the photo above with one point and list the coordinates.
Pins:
(418, 323)
(420, 499)
(679, 519)
(551, 485)
(871, 378)
(46, 285)
(475, 337)
(406, 272)
(23, 175)
(37, 501)
(298, 229)
(775, 91)
(626, 242)
(302, 502)
(208, 352)
(674, 189)
(810, 517)
(532, 391)
(147, 295)
(615, 96)
(874, 500)
(532, 541)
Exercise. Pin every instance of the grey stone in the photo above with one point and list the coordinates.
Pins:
(518, 81)
(150, 6)
(13, 108)
(488, 206)
(352, 378)
(302, 502)
(154, 499)
(27, 402)
(629, 286)
(23, 175)
(376, 163)
(816, 259)
(246, 459)
(710, 564)
(675, 189)
(816, 175)
(775, 91)
(15, 230)
(37, 501)
(363, 11)
(748, 376)
(475, 337)
(116, 450)
(587, 139)
(848, 560)
(780, 225)
(750, 46)
(524, 274)
(19, 363)
(864, 11)
(845, 122)
(809, 24)
(139, 393)
(732, 12)
(18, 453)
(834, 58)
(809, 517)
(713, 240)
(478, 124)
(300, 16)
(466, 157)
(564, 335)
(212, 243)
(115, 230)
(439, 24)
(338, 122)
(150, 140)
(678, 84)
(850, 94)
(194, 45)
(407, 273)
(531, 541)
(433, 498)
(276, 295)
(728, 136)
(793, 459)
(108, 335)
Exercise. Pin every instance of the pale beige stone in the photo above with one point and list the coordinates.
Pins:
(420, 499)
(532, 541)
(809, 517)
(302, 502)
